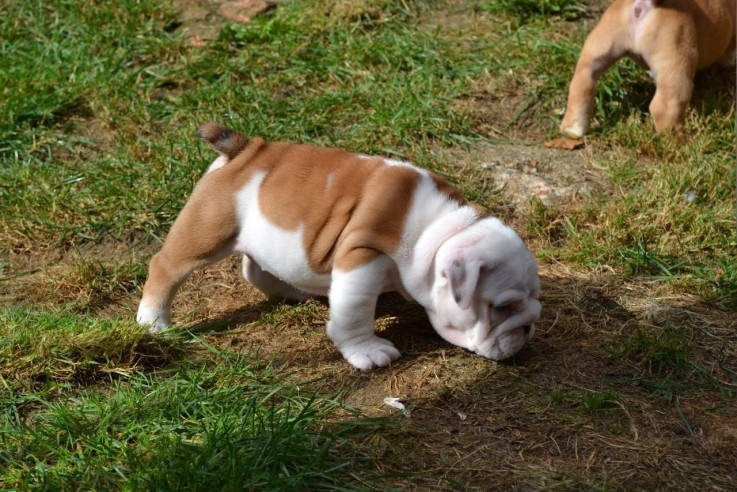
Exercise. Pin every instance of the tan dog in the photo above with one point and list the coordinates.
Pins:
(671, 38)
(320, 221)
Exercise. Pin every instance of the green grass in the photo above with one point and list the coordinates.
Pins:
(567, 9)
(110, 407)
(138, 94)
(600, 401)
(670, 214)
(41, 345)
(690, 238)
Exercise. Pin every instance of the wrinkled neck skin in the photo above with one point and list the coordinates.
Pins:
(507, 275)
(419, 278)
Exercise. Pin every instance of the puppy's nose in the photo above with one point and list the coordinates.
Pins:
(527, 329)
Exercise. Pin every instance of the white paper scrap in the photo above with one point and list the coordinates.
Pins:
(394, 402)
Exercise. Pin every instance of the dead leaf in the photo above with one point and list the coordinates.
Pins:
(197, 41)
(565, 144)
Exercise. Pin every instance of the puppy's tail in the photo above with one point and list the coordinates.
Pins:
(228, 142)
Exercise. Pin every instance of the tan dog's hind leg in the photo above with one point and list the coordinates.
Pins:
(601, 49)
(203, 233)
(674, 76)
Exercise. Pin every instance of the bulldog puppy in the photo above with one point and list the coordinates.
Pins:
(322, 221)
(671, 38)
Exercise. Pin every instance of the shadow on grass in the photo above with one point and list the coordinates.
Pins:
(232, 319)
(618, 373)
(714, 90)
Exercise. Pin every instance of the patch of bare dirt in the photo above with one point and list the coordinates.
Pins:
(526, 170)
(505, 109)
(95, 278)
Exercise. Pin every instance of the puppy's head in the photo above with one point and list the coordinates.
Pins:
(486, 290)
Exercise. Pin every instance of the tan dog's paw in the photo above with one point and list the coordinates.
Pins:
(574, 129)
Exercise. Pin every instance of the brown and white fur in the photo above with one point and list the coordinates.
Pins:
(671, 38)
(321, 221)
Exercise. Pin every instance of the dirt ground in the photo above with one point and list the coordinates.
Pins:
(578, 408)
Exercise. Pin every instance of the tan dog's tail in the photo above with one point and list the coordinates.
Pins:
(228, 142)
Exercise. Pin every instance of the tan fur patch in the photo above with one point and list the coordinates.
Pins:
(452, 194)
(351, 208)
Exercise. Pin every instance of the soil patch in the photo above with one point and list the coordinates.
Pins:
(525, 170)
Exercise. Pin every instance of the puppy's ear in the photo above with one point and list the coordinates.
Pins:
(462, 271)
(228, 142)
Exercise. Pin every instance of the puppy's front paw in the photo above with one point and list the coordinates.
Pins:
(370, 353)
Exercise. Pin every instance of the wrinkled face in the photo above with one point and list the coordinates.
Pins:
(485, 296)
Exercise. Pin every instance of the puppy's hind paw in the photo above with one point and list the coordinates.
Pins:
(155, 320)
(372, 353)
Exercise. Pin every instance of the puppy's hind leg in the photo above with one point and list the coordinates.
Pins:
(268, 283)
(203, 233)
